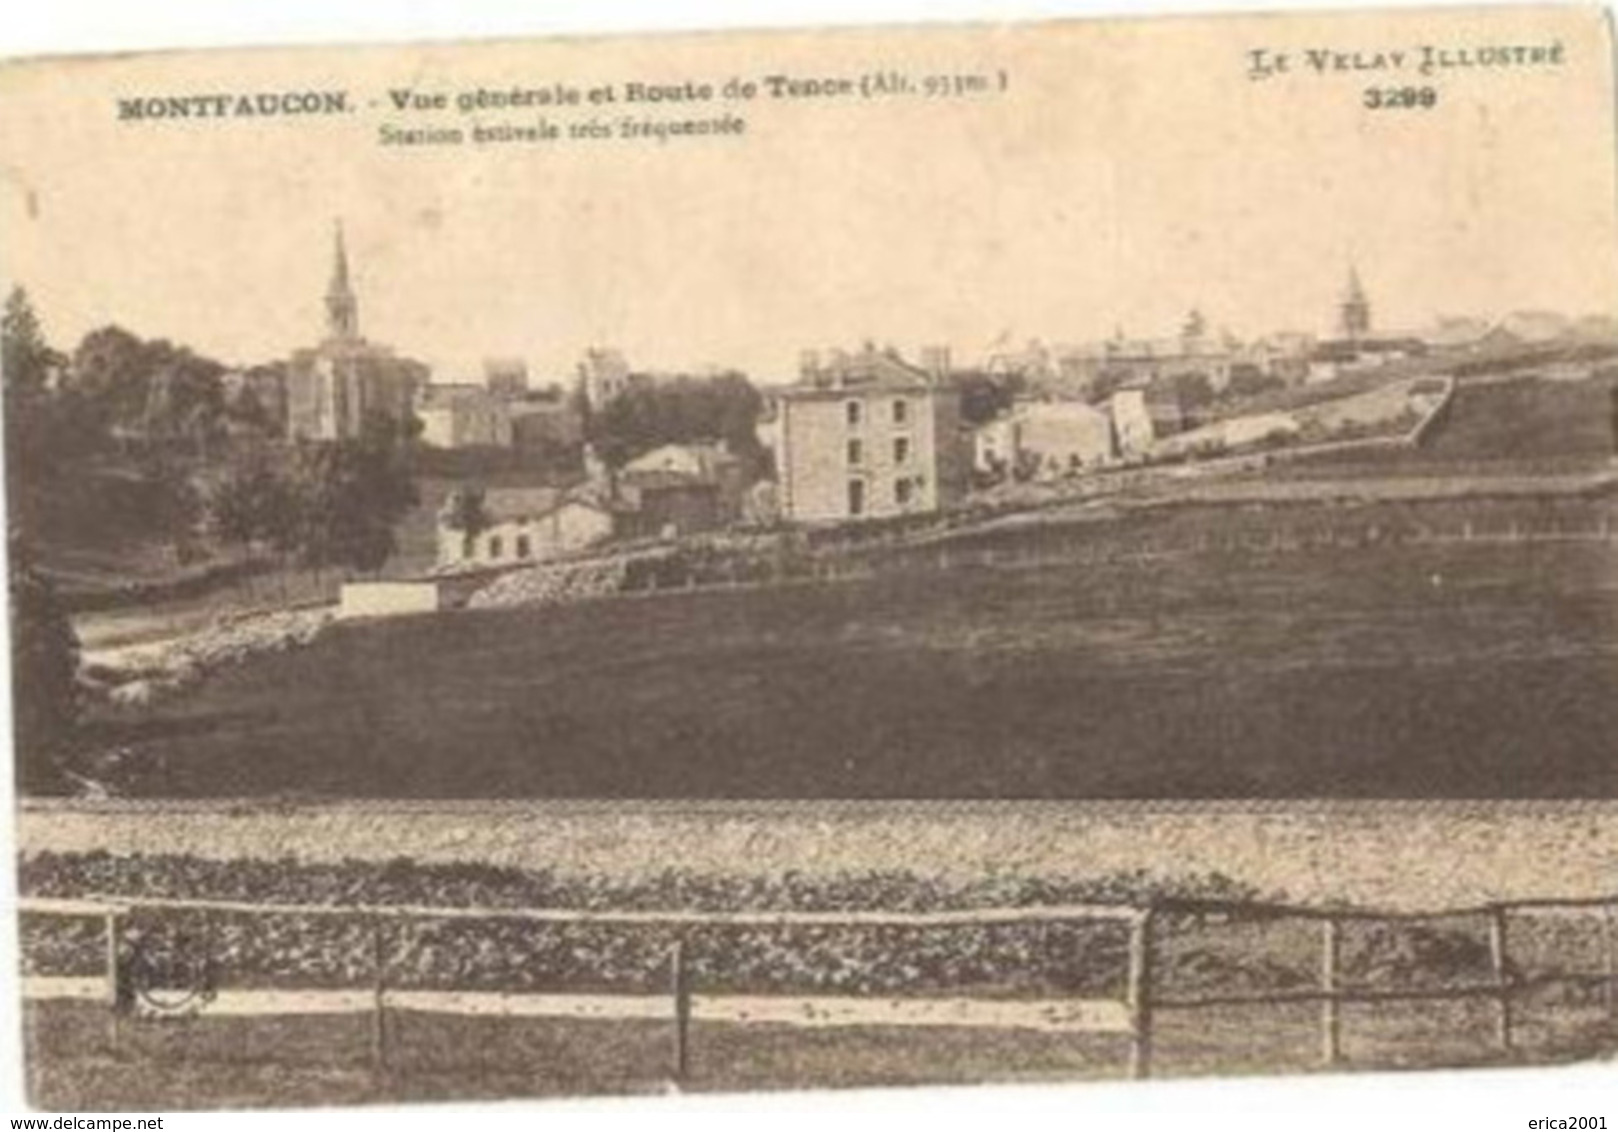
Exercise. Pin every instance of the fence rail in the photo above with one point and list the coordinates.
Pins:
(627, 917)
(1132, 1016)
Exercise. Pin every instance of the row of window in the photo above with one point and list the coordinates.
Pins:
(904, 493)
(855, 411)
(901, 451)
(497, 548)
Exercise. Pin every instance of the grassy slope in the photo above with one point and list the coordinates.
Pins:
(1330, 672)
(94, 530)
(1325, 673)
(1520, 426)
(1526, 419)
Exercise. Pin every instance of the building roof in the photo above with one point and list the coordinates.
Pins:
(510, 504)
(1348, 349)
(1156, 400)
(505, 367)
(704, 459)
(1534, 326)
(605, 361)
(522, 502)
(445, 395)
(660, 480)
(869, 370)
(1596, 326)
(1137, 350)
(1067, 407)
(1286, 341)
(1455, 331)
(534, 404)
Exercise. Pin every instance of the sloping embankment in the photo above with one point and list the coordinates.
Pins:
(1393, 854)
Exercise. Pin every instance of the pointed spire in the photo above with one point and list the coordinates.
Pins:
(339, 269)
(1354, 313)
(1356, 291)
(342, 308)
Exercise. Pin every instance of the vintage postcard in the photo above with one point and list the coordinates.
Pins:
(929, 555)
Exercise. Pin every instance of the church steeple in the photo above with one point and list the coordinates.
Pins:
(1354, 313)
(342, 309)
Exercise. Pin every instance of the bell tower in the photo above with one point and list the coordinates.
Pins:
(342, 308)
(1354, 314)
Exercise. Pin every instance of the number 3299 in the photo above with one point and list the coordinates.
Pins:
(1400, 98)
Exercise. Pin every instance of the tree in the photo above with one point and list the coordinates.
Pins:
(1192, 390)
(466, 511)
(1109, 381)
(44, 649)
(259, 402)
(154, 392)
(230, 511)
(45, 661)
(1612, 393)
(25, 359)
(1194, 393)
(174, 508)
(350, 494)
(1025, 466)
(1249, 381)
(985, 396)
(254, 506)
(683, 410)
(185, 400)
(110, 374)
(36, 452)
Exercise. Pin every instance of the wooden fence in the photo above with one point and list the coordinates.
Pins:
(1502, 989)
(1132, 1017)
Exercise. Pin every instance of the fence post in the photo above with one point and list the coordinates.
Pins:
(210, 932)
(1609, 961)
(1497, 957)
(115, 983)
(1140, 995)
(680, 988)
(379, 1019)
(1331, 1022)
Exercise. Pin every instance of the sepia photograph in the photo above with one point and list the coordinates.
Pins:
(851, 557)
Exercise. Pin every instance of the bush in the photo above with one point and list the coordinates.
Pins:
(45, 662)
(489, 953)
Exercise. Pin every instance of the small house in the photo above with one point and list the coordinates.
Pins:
(523, 525)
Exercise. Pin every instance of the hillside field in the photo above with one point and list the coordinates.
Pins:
(1519, 426)
(1386, 669)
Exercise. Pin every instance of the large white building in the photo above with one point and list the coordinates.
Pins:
(1046, 439)
(869, 436)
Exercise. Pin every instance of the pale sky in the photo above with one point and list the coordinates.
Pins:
(1127, 173)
